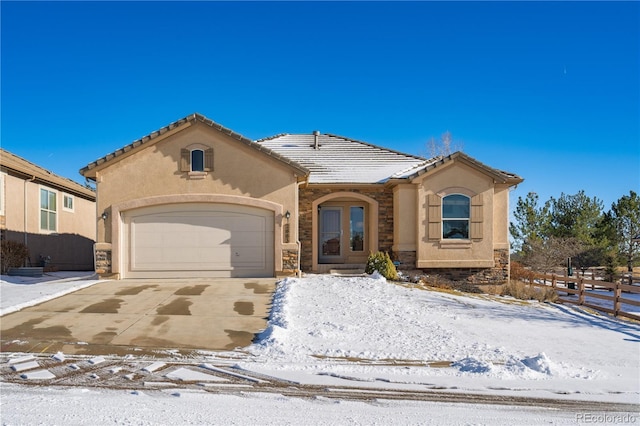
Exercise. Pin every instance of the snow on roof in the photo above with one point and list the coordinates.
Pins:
(337, 159)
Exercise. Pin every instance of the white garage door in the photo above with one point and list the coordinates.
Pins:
(199, 240)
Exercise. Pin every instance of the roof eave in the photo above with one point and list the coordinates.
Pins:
(496, 175)
(18, 166)
(90, 170)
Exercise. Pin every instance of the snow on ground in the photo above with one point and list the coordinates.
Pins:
(492, 344)
(367, 333)
(21, 406)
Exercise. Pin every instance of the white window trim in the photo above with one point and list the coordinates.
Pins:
(47, 231)
(73, 202)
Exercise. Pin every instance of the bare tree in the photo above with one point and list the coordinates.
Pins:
(545, 255)
(443, 146)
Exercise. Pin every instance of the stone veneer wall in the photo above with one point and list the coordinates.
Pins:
(103, 261)
(384, 197)
(407, 259)
(289, 260)
(499, 274)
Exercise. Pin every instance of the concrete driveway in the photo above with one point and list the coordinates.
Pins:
(144, 316)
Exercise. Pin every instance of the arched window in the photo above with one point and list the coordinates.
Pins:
(197, 160)
(456, 209)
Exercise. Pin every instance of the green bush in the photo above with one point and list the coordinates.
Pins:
(14, 254)
(382, 263)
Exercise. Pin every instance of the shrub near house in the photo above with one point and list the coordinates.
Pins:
(14, 255)
(382, 263)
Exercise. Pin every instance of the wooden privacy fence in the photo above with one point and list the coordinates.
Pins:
(586, 289)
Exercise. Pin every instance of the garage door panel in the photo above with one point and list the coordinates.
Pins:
(199, 240)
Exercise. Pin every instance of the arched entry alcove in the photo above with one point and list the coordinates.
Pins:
(344, 229)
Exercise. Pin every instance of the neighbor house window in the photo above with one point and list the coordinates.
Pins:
(67, 203)
(48, 210)
(356, 223)
(456, 210)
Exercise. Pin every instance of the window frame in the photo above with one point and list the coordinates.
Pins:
(467, 219)
(187, 160)
(66, 197)
(48, 210)
(192, 160)
(351, 228)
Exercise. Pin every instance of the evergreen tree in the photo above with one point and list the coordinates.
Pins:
(625, 220)
(532, 222)
(575, 216)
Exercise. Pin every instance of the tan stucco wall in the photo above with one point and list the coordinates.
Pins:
(453, 178)
(404, 207)
(14, 203)
(501, 217)
(154, 171)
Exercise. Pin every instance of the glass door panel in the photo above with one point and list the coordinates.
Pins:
(330, 233)
(356, 222)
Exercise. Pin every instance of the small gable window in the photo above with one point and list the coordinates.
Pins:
(456, 210)
(196, 160)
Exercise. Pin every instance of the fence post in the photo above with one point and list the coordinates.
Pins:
(616, 299)
(553, 281)
(581, 291)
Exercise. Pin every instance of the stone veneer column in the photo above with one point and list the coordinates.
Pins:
(381, 194)
(103, 259)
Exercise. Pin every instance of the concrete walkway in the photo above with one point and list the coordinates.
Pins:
(144, 316)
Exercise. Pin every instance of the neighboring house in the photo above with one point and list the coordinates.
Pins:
(195, 199)
(53, 216)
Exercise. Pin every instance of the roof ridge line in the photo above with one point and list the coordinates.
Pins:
(268, 138)
(377, 146)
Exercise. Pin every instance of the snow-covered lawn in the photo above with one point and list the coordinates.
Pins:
(492, 344)
(364, 332)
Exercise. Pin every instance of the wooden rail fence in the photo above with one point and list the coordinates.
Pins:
(574, 285)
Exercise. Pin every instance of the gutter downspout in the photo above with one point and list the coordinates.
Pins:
(26, 216)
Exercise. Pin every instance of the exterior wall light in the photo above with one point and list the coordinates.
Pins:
(104, 215)
(287, 215)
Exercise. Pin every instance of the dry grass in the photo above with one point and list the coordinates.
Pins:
(523, 291)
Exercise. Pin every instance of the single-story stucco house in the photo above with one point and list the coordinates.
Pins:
(195, 199)
(53, 216)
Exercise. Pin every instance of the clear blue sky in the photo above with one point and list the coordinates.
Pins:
(547, 90)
